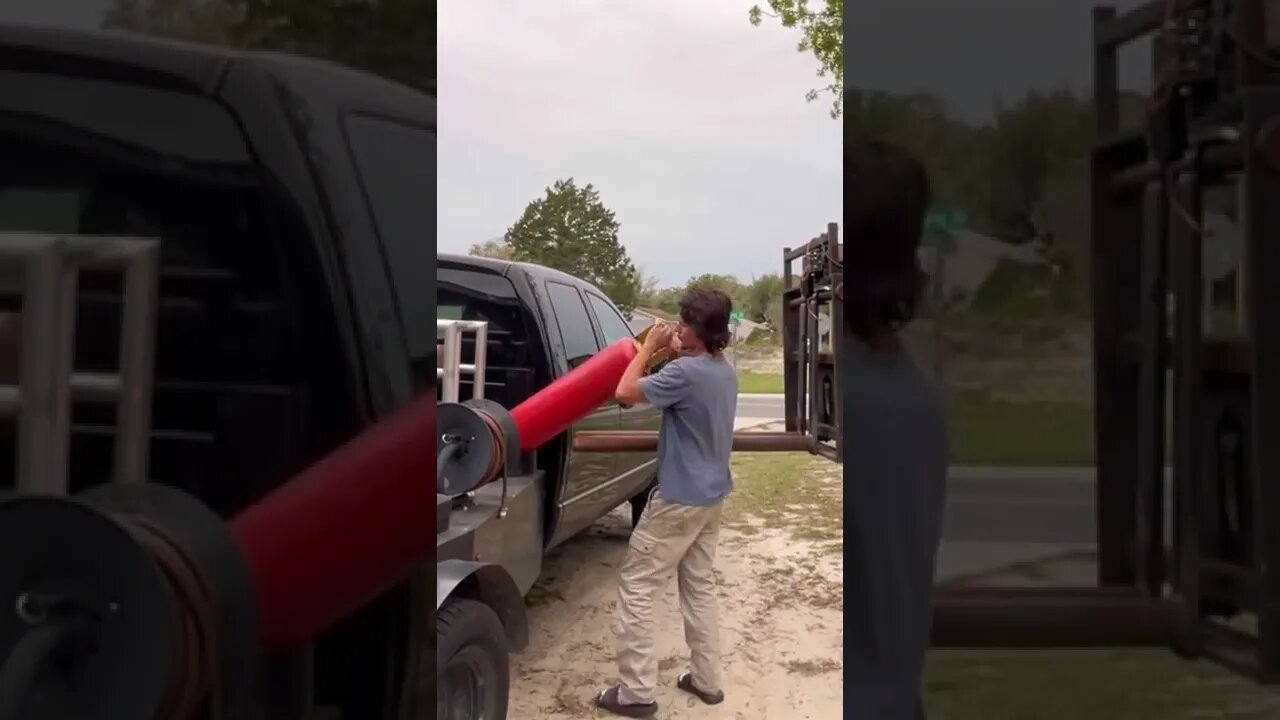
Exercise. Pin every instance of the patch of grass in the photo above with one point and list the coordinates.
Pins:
(796, 491)
(1097, 684)
(759, 383)
(987, 431)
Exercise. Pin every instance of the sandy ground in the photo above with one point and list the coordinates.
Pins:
(781, 635)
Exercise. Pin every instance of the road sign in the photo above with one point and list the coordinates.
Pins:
(945, 221)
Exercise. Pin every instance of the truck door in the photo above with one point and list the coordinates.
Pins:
(633, 471)
(585, 490)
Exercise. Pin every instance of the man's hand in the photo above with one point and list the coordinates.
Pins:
(628, 391)
(659, 337)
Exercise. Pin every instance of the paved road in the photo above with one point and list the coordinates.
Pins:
(757, 409)
(1038, 506)
(995, 516)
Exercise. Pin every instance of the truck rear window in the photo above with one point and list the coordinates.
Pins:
(469, 295)
(397, 166)
(120, 119)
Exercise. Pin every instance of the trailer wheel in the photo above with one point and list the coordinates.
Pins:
(472, 667)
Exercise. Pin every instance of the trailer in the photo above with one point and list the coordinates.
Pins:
(1187, 504)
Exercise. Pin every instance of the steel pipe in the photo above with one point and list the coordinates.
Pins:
(747, 441)
(1137, 22)
(1217, 159)
(1047, 618)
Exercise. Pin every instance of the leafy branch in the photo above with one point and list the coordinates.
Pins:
(822, 34)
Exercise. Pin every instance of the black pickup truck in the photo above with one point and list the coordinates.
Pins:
(538, 324)
(294, 204)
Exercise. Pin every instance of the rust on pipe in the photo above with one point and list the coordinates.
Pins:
(615, 441)
(1053, 617)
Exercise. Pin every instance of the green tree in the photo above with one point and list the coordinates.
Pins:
(391, 38)
(773, 315)
(624, 290)
(206, 21)
(649, 293)
(821, 33)
(668, 299)
(760, 294)
(954, 152)
(727, 284)
(1043, 137)
(571, 230)
(496, 248)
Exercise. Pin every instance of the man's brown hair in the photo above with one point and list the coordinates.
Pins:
(887, 193)
(707, 313)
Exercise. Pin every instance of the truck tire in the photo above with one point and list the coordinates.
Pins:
(473, 671)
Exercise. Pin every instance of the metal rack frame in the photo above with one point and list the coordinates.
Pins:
(1216, 70)
(811, 377)
(43, 274)
(452, 370)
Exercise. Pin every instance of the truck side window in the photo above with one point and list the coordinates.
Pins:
(611, 323)
(396, 162)
(575, 324)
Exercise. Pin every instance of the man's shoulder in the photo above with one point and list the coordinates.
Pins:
(706, 367)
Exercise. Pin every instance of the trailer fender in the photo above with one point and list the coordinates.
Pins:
(489, 584)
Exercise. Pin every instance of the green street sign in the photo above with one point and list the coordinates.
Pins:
(737, 316)
(945, 221)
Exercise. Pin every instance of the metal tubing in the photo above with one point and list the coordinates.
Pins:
(452, 369)
(137, 359)
(50, 268)
(85, 387)
(1053, 617)
(1216, 159)
(48, 322)
(603, 441)
(1139, 21)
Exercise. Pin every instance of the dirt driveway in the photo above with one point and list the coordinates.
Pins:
(781, 607)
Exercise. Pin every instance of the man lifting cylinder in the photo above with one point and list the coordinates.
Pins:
(680, 526)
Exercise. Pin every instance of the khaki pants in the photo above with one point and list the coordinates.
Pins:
(669, 537)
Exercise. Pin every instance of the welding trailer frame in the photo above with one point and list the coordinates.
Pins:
(1188, 556)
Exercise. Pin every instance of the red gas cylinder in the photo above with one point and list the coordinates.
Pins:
(557, 406)
(345, 530)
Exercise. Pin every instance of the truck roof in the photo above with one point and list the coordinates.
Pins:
(173, 64)
(504, 267)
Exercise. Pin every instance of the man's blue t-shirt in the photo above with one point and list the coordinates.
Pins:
(698, 396)
(895, 483)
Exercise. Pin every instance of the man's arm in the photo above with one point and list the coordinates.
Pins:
(628, 391)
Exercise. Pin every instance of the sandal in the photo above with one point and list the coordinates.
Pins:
(685, 683)
(608, 700)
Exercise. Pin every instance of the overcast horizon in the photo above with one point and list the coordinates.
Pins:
(690, 122)
(971, 53)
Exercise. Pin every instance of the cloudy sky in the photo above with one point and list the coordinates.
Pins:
(971, 51)
(81, 14)
(690, 122)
